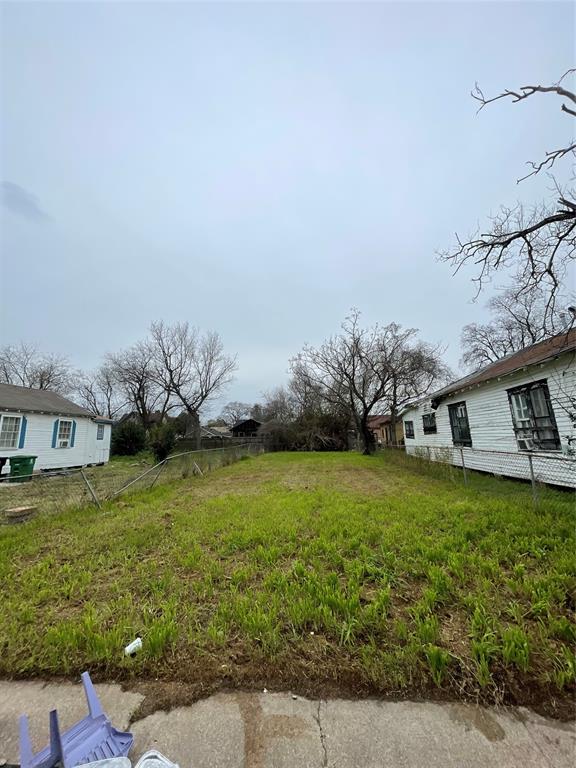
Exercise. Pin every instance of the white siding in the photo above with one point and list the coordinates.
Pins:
(491, 426)
(38, 442)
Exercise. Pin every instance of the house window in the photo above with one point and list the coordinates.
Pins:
(429, 423)
(533, 418)
(9, 431)
(409, 428)
(459, 424)
(100, 432)
(64, 433)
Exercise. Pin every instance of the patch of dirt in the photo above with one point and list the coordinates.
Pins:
(331, 679)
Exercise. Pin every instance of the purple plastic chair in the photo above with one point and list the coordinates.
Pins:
(93, 738)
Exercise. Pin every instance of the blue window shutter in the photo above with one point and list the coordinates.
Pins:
(73, 434)
(55, 433)
(22, 432)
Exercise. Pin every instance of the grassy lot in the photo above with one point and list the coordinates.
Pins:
(57, 490)
(317, 572)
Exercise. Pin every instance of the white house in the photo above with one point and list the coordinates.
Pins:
(43, 424)
(494, 419)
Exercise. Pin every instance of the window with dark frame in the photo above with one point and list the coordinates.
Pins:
(429, 423)
(459, 424)
(100, 432)
(409, 429)
(533, 417)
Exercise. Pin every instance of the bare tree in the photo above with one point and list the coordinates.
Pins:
(24, 365)
(518, 321)
(234, 412)
(538, 243)
(190, 366)
(361, 370)
(134, 371)
(350, 372)
(101, 393)
(279, 405)
(415, 368)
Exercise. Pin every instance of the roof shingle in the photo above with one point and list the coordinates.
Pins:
(536, 353)
(14, 398)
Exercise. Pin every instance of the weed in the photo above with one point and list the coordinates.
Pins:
(438, 660)
(515, 648)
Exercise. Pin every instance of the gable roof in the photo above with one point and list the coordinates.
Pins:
(538, 353)
(246, 421)
(23, 399)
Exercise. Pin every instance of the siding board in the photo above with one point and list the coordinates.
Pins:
(38, 442)
(492, 429)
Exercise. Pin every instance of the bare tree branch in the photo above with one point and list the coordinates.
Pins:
(22, 364)
(538, 245)
(189, 366)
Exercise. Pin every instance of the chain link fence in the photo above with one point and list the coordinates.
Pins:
(57, 490)
(549, 477)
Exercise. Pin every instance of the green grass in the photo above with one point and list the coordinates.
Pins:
(368, 574)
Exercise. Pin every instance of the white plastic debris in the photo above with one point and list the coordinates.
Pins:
(153, 759)
(110, 762)
(265, 690)
(133, 647)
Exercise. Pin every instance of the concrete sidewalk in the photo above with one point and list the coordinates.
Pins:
(242, 730)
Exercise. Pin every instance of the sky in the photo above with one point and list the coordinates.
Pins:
(258, 169)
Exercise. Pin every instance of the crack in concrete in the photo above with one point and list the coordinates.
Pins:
(322, 736)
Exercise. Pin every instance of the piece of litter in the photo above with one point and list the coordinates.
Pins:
(294, 696)
(311, 633)
(265, 690)
(132, 648)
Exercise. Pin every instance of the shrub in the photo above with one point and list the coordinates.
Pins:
(162, 440)
(128, 438)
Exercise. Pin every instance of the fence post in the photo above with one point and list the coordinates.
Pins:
(428, 451)
(94, 497)
(464, 466)
(533, 481)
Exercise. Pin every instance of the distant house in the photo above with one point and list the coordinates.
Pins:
(246, 428)
(56, 430)
(524, 403)
(384, 433)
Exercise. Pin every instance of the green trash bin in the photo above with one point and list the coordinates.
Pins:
(21, 468)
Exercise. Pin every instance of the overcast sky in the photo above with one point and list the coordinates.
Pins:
(258, 169)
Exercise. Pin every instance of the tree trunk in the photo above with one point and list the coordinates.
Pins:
(367, 437)
(193, 429)
(393, 440)
(393, 413)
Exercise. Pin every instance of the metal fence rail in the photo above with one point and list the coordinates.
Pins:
(57, 490)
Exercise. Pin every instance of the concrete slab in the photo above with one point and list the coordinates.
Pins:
(241, 730)
(37, 698)
(405, 735)
(209, 734)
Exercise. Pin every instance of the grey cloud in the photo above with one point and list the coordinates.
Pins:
(18, 200)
